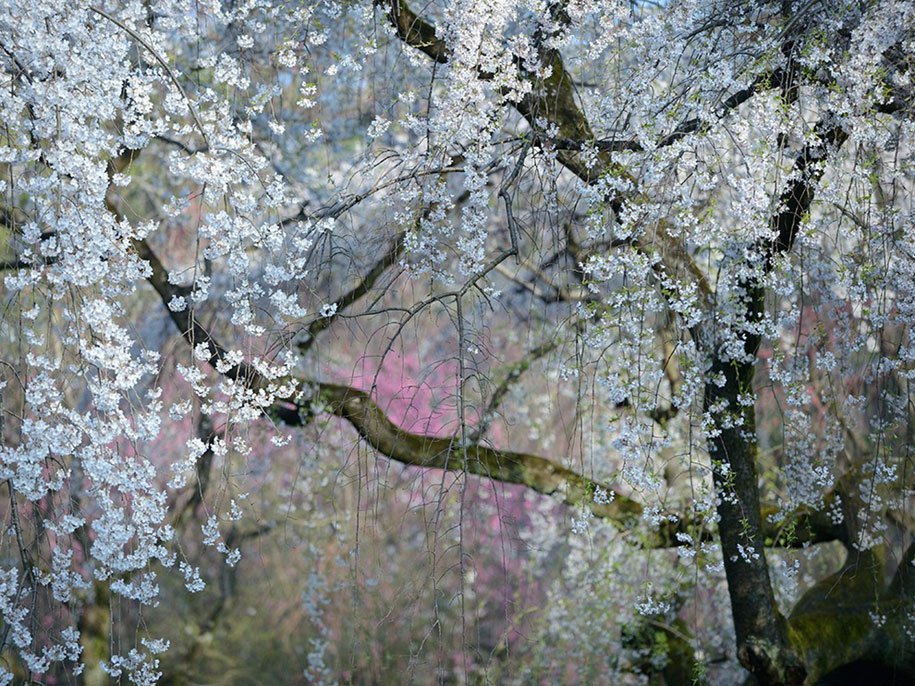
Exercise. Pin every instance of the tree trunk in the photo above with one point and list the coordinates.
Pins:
(763, 646)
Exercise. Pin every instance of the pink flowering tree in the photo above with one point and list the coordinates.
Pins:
(626, 284)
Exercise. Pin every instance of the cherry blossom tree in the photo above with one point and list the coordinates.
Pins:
(659, 256)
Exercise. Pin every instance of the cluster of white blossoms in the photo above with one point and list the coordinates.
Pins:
(206, 149)
(89, 93)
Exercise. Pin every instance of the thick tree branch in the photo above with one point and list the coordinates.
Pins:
(796, 199)
(187, 324)
(414, 30)
(764, 644)
(533, 471)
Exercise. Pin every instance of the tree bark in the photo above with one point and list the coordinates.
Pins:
(763, 646)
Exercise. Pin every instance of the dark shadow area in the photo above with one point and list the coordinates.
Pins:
(864, 672)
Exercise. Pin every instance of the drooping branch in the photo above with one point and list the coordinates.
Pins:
(685, 128)
(12, 265)
(168, 70)
(11, 219)
(550, 293)
(802, 527)
(511, 376)
(206, 433)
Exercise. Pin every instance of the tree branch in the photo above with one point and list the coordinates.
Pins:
(681, 131)
(357, 292)
(414, 30)
(511, 376)
(187, 324)
(796, 199)
(535, 472)
(764, 644)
